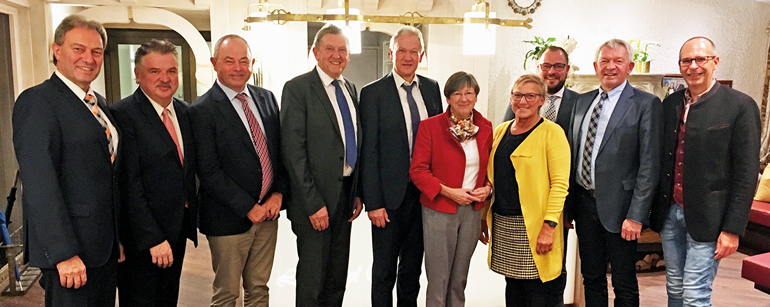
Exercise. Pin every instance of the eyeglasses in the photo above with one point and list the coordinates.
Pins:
(528, 97)
(698, 60)
(557, 67)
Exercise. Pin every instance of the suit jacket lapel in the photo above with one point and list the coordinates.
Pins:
(392, 97)
(145, 105)
(564, 110)
(82, 110)
(318, 87)
(624, 102)
(580, 112)
(184, 127)
(106, 110)
(226, 107)
(264, 114)
(354, 95)
(432, 103)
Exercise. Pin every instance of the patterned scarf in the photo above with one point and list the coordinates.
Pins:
(462, 129)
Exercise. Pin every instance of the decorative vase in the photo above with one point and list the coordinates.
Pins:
(642, 67)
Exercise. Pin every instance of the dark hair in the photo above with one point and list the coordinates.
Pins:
(555, 49)
(77, 21)
(328, 29)
(459, 80)
(154, 45)
(226, 37)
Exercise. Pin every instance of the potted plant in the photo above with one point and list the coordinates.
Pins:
(641, 55)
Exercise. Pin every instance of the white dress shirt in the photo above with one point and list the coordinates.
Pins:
(472, 160)
(332, 93)
(405, 104)
(556, 103)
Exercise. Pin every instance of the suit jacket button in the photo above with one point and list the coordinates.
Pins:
(341, 159)
(339, 179)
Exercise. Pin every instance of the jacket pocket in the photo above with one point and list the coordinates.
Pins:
(629, 184)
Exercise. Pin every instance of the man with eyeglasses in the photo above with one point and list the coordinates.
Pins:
(707, 182)
(554, 67)
(615, 167)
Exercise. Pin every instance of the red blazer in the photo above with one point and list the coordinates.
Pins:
(438, 158)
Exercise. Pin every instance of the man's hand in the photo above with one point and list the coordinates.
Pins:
(72, 273)
(162, 255)
(379, 217)
(727, 244)
(484, 236)
(122, 256)
(257, 213)
(462, 197)
(320, 219)
(631, 230)
(545, 240)
(358, 206)
(273, 205)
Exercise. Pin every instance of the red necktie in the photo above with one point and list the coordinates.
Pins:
(172, 131)
(258, 138)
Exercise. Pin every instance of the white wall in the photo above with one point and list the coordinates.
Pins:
(737, 27)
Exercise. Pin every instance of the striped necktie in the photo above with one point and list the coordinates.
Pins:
(260, 143)
(91, 101)
(585, 169)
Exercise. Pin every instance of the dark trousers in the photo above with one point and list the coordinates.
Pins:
(143, 283)
(598, 247)
(534, 293)
(397, 251)
(322, 270)
(99, 290)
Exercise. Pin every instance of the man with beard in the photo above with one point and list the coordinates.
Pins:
(554, 67)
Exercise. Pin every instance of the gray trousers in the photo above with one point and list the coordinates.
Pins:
(450, 240)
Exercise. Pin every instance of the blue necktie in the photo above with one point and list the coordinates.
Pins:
(347, 121)
(415, 113)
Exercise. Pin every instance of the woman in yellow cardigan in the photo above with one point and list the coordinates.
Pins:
(529, 168)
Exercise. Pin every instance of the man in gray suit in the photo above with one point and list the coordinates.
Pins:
(554, 68)
(321, 137)
(616, 139)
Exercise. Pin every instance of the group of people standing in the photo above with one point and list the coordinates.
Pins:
(110, 192)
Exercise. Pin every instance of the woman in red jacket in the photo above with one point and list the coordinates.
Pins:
(449, 167)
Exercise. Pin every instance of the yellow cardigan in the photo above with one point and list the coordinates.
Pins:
(542, 164)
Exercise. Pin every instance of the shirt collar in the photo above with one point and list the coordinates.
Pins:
(614, 93)
(230, 93)
(326, 79)
(558, 94)
(399, 80)
(158, 108)
(74, 87)
(690, 100)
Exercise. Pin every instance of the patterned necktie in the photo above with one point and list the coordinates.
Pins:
(258, 138)
(413, 111)
(347, 121)
(550, 109)
(172, 131)
(585, 169)
(95, 110)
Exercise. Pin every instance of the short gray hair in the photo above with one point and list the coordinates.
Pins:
(328, 29)
(407, 30)
(615, 44)
(77, 21)
(158, 46)
(227, 37)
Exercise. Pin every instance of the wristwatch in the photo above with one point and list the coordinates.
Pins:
(551, 223)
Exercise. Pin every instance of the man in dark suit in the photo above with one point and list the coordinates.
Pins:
(391, 109)
(159, 206)
(242, 179)
(707, 183)
(67, 148)
(321, 133)
(615, 144)
(554, 68)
